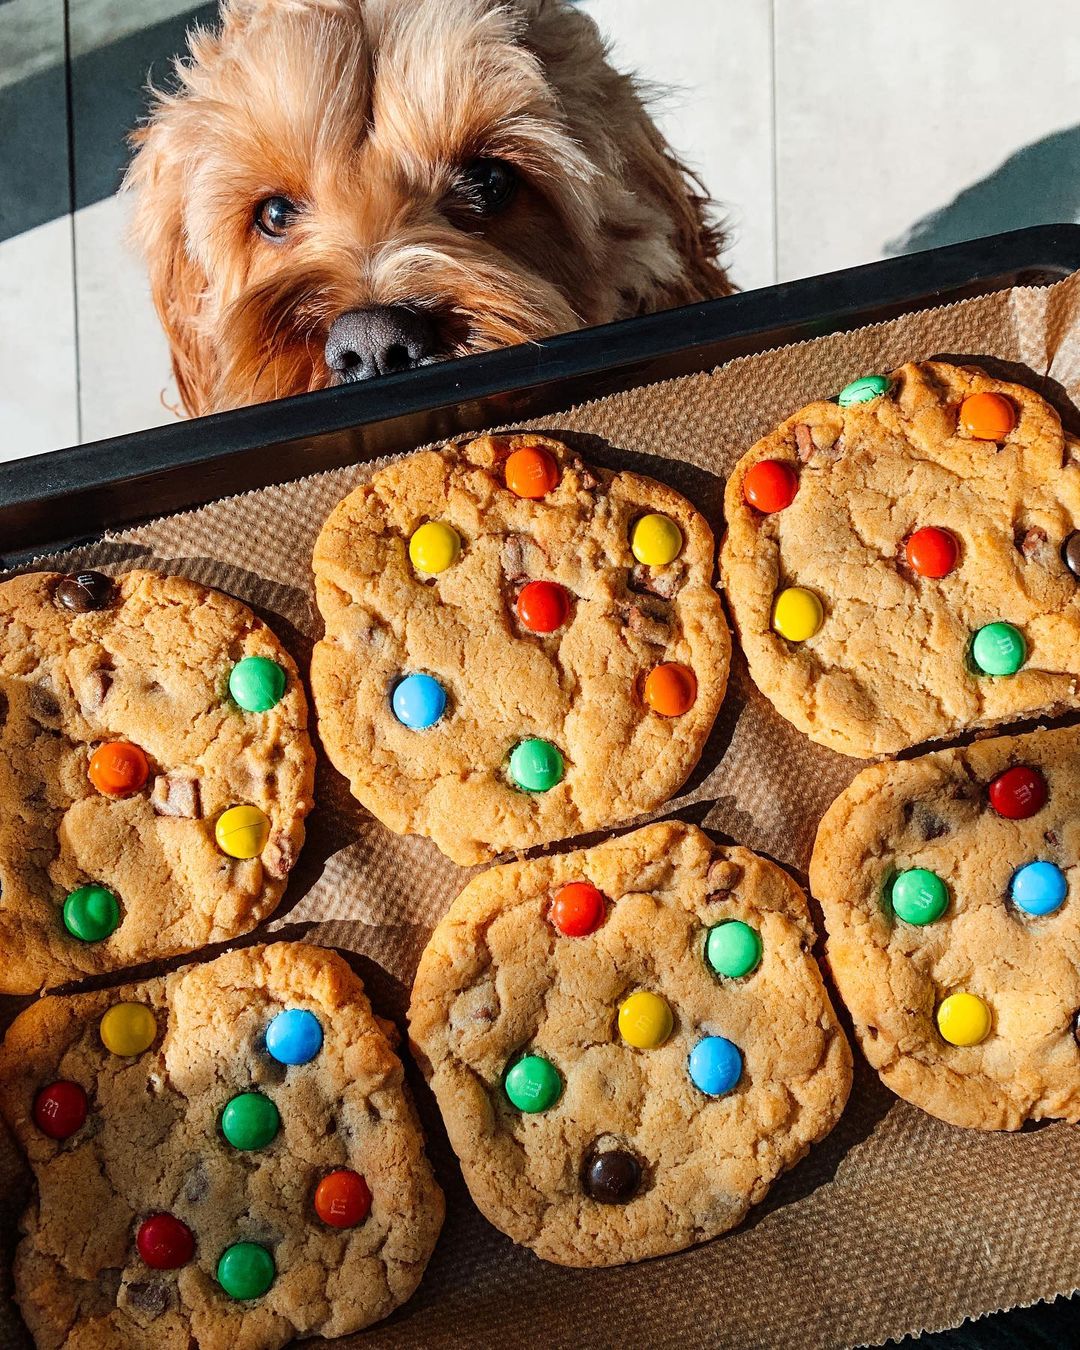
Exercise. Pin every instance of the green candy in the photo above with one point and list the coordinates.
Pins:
(863, 390)
(536, 765)
(91, 913)
(245, 1270)
(733, 948)
(250, 1121)
(998, 649)
(919, 896)
(256, 683)
(533, 1084)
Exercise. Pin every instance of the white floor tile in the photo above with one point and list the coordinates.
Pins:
(125, 379)
(886, 113)
(716, 58)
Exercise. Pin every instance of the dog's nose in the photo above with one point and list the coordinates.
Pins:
(363, 343)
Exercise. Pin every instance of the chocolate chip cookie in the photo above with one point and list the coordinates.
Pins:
(518, 647)
(903, 564)
(224, 1156)
(154, 776)
(628, 1043)
(949, 888)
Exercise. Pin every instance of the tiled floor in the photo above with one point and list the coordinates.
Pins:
(832, 132)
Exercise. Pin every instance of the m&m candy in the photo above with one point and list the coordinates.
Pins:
(645, 1020)
(963, 1019)
(434, 547)
(342, 1199)
(543, 606)
(83, 592)
(987, 416)
(797, 614)
(536, 765)
(733, 949)
(294, 1036)
(656, 540)
(118, 769)
(245, 1270)
(127, 1029)
(1018, 793)
(577, 909)
(1039, 888)
(931, 552)
(770, 485)
(91, 913)
(60, 1109)
(670, 689)
(164, 1242)
(256, 683)
(998, 649)
(531, 472)
(715, 1065)
(242, 831)
(612, 1176)
(1070, 552)
(250, 1120)
(863, 390)
(919, 896)
(533, 1084)
(418, 701)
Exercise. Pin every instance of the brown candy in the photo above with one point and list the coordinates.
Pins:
(82, 592)
(612, 1177)
(1070, 551)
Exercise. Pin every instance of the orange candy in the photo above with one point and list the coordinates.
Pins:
(670, 689)
(342, 1199)
(987, 417)
(531, 473)
(118, 768)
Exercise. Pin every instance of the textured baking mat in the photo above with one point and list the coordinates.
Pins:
(896, 1222)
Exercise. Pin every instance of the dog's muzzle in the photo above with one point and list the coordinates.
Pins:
(363, 343)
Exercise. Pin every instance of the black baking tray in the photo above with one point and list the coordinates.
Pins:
(68, 496)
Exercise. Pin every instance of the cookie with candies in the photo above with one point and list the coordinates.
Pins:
(903, 563)
(628, 1043)
(223, 1156)
(949, 888)
(154, 776)
(518, 647)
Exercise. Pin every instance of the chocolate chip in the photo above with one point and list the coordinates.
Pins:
(804, 440)
(612, 1177)
(1032, 541)
(3, 707)
(665, 583)
(723, 875)
(279, 856)
(1076, 1026)
(1051, 838)
(95, 687)
(44, 705)
(197, 1185)
(650, 624)
(586, 476)
(82, 592)
(513, 558)
(149, 1296)
(928, 823)
(176, 795)
(1070, 551)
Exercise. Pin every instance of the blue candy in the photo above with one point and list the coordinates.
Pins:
(294, 1036)
(418, 701)
(1039, 888)
(715, 1065)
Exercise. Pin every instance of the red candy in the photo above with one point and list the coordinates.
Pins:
(164, 1242)
(1018, 793)
(543, 606)
(770, 485)
(931, 552)
(60, 1109)
(577, 909)
(342, 1199)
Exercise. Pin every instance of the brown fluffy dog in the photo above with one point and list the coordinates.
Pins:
(340, 188)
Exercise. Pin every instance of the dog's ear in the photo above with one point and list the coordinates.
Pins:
(177, 281)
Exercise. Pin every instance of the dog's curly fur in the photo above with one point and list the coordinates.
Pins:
(363, 112)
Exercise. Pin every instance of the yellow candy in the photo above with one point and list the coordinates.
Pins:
(644, 1021)
(797, 614)
(964, 1019)
(656, 540)
(434, 547)
(128, 1028)
(242, 831)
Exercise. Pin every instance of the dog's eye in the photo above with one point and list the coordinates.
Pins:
(274, 215)
(487, 185)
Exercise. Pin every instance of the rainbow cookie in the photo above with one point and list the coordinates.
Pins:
(948, 885)
(904, 563)
(154, 776)
(518, 648)
(628, 1043)
(223, 1156)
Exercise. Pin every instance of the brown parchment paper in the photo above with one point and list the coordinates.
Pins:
(896, 1222)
